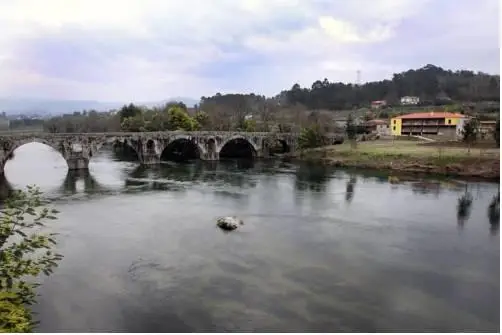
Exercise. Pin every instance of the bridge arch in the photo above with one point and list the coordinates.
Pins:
(151, 147)
(238, 146)
(10, 147)
(124, 141)
(182, 148)
(277, 145)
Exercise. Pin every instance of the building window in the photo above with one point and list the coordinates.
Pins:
(394, 128)
(394, 121)
(449, 121)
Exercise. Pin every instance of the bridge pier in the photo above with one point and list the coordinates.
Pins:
(77, 163)
(210, 156)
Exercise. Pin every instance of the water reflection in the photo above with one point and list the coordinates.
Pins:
(464, 204)
(494, 214)
(310, 177)
(427, 187)
(178, 175)
(349, 190)
(80, 180)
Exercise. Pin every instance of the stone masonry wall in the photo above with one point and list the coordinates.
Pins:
(78, 149)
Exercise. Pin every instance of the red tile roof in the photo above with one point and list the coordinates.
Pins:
(430, 115)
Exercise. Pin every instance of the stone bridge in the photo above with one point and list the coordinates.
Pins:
(78, 148)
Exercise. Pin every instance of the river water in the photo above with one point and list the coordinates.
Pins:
(320, 249)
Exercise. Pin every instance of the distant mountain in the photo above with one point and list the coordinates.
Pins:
(46, 107)
(50, 107)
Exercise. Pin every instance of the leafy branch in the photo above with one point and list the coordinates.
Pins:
(26, 251)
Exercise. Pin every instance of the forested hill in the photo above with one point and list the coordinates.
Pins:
(432, 84)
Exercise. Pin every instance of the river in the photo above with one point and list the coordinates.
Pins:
(320, 250)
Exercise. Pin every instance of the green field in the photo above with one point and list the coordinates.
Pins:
(409, 149)
(410, 156)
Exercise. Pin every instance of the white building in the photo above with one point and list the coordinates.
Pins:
(410, 100)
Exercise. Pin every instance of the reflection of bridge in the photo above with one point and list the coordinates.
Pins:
(78, 148)
(69, 185)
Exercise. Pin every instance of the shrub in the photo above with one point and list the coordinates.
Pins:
(25, 253)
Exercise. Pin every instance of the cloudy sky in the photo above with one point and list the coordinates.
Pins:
(144, 50)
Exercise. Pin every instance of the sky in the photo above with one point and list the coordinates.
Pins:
(148, 50)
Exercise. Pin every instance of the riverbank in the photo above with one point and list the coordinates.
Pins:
(409, 156)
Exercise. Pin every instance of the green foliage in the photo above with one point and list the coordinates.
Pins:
(178, 119)
(202, 119)
(129, 111)
(25, 253)
(249, 125)
(470, 131)
(14, 316)
(350, 127)
(172, 117)
(311, 137)
(133, 123)
(176, 104)
(156, 121)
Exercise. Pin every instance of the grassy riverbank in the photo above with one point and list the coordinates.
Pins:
(410, 156)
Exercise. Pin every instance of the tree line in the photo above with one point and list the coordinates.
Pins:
(432, 84)
(297, 108)
(134, 118)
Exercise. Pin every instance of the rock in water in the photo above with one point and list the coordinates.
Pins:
(228, 222)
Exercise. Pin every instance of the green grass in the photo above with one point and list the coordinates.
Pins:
(404, 152)
(409, 149)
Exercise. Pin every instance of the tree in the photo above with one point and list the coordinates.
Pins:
(133, 123)
(249, 125)
(25, 253)
(311, 137)
(129, 111)
(351, 129)
(179, 104)
(470, 132)
(178, 119)
(202, 119)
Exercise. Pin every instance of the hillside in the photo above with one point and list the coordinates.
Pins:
(432, 84)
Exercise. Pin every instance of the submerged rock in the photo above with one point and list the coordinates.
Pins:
(228, 222)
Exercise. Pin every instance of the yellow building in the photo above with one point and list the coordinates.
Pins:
(427, 123)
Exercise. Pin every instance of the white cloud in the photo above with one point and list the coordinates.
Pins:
(152, 49)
